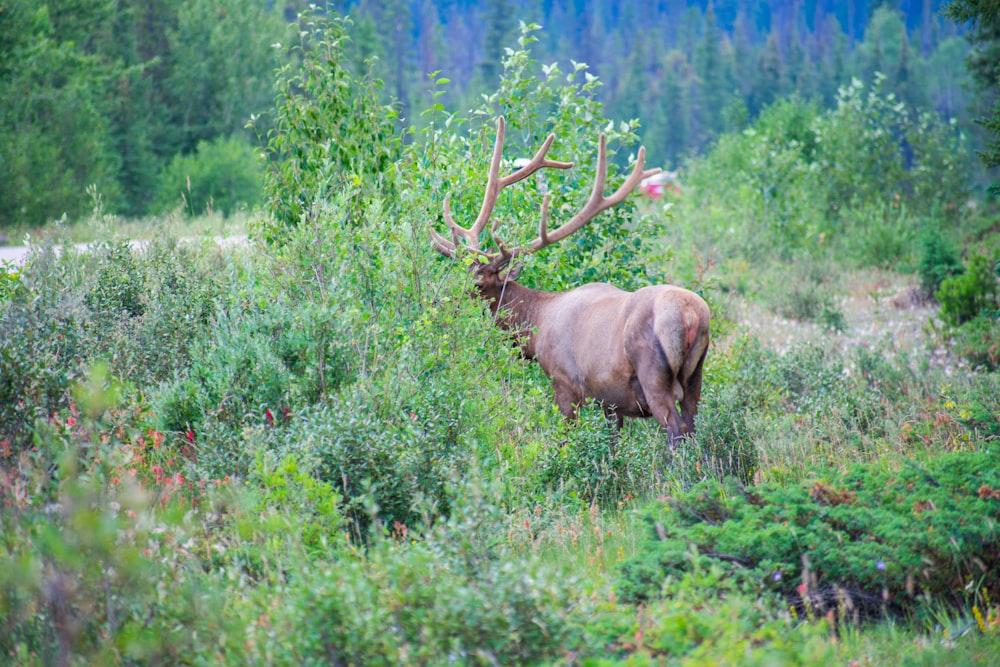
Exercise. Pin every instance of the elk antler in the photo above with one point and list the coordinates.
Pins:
(493, 186)
(597, 202)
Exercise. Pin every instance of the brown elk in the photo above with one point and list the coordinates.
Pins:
(637, 353)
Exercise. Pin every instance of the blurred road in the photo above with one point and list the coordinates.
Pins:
(15, 255)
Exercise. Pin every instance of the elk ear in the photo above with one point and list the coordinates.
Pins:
(515, 271)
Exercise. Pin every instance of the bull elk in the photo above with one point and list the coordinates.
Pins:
(637, 353)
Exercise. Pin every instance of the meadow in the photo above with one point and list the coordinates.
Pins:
(318, 448)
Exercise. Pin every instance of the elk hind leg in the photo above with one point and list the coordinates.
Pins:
(660, 386)
(692, 394)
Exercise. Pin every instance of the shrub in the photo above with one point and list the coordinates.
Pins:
(328, 130)
(856, 175)
(596, 463)
(455, 596)
(964, 297)
(978, 341)
(138, 311)
(938, 260)
(43, 342)
(872, 540)
(385, 454)
(610, 249)
(221, 175)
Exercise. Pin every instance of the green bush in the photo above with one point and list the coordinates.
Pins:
(853, 178)
(938, 260)
(138, 311)
(595, 463)
(457, 595)
(327, 131)
(43, 342)
(872, 540)
(978, 341)
(612, 248)
(221, 175)
(965, 296)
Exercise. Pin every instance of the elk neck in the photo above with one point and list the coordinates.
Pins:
(517, 309)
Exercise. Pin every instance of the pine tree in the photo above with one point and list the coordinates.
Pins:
(499, 23)
(768, 76)
(984, 65)
(712, 88)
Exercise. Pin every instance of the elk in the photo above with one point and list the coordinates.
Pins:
(637, 353)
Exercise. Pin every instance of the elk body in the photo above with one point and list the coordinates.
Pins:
(638, 353)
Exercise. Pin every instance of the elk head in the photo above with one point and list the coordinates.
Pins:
(639, 353)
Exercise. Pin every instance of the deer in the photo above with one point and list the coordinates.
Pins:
(638, 353)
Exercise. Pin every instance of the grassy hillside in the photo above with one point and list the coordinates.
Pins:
(317, 448)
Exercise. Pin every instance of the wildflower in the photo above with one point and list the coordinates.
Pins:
(190, 436)
(115, 480)
(179, 478)
(270, 417)
(880, 564)
(776, 576)
(71, 421)
(286, 413)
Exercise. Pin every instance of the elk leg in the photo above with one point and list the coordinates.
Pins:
(566, 398)
(657, 382)
(692, 394)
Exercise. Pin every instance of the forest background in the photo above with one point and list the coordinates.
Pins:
(150, 101)
(315, 448)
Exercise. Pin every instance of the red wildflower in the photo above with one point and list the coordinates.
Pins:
(190, 436)
(71, 421)
(270, 417)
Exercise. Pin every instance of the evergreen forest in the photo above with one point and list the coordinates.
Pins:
(254, 412)
(135, 97)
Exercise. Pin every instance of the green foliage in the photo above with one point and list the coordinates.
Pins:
(938, 260)
(139, 311)
(975, 292)
(613, 247)
(43, 342)
(858, 175)
(56, 139)
(108, 93)
(981, 63)
(870, 541)
(978, 341)
(99, 568)
(456, 595)
(221, 175)
(295, 507)
(328, 130)
(385, 461)
(703, 618)
(597, 464)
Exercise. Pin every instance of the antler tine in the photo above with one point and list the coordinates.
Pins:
(495, 184)
(597, 202)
